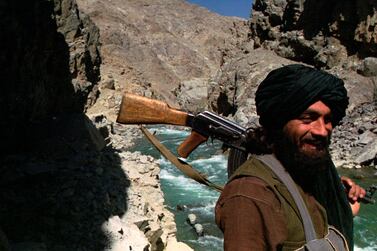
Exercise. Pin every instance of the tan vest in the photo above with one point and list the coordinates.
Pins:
(296, 236)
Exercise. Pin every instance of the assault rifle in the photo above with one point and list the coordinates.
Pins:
(141, 110)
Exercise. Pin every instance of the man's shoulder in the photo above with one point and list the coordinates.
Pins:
(249, 187)
(253, 167)
(253, 180)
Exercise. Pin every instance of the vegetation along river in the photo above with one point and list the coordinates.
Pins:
(182, 192)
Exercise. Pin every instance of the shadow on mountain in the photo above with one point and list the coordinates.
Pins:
(59, 180)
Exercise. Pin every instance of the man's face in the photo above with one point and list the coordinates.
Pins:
(310, 132)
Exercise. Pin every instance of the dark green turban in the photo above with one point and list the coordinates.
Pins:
(285, 94)
(288, 91)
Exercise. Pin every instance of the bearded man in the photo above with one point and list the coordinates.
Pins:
(274, 201)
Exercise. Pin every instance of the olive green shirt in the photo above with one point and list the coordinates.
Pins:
(254, 215)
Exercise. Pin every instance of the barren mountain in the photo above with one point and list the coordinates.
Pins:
(154, 46)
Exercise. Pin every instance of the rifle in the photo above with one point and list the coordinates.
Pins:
(369, 195)
(141, 110)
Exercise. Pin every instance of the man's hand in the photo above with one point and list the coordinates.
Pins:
(354, 193)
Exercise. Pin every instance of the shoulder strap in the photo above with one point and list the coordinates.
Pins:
(180, 164)
(283, 175)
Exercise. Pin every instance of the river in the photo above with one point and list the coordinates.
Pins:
(200, 200)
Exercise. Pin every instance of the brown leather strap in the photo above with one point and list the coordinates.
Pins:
(187, 169)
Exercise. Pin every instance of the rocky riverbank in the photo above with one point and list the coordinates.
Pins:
(147, 224)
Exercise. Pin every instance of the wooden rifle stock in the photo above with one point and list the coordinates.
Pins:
(136, 109)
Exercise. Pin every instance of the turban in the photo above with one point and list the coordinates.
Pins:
(288, 91)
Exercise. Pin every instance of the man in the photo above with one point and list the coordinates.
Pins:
(298, 107)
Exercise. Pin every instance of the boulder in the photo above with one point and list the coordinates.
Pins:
(191, 218)
(368, 154)
(199, 229)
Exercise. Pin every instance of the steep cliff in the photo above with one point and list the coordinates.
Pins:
(51, 153)
(322, 33)
(50, 66)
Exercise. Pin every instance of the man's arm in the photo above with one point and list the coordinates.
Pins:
(354, 193)
(250, 216)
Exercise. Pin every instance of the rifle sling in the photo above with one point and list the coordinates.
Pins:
(277, 168)
(187, 169)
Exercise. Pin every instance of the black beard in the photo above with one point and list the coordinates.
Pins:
(301, 166)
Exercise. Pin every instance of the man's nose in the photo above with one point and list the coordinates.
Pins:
(321, 128)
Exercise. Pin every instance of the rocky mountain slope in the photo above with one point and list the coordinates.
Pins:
(321, 33)
(155, 46)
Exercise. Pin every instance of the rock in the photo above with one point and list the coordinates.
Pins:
(232, 90)
(175, 246)
(108, 84)
(130, 236)
(296, 30)
(368, 67)
(348, 165)
(181, 207)
(192, 95)
(199, 229)
(144, 159)
(154, 238)
(368, 154)
(352, 139)
(340, 163)
(366, 138)
(191, 218)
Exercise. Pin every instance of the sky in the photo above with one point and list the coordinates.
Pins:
(238, 8)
